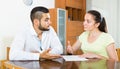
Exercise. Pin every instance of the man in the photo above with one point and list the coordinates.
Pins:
(40, 41)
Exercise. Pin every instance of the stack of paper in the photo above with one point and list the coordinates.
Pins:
(73, 58)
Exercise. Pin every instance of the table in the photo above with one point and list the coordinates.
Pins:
(62, 64)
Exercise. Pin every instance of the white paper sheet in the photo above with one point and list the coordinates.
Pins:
(73, 58)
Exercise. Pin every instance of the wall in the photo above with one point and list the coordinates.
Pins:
(110, 11)
(118, 22)
(14, 15)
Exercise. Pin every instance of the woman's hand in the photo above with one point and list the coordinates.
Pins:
(89, 55)
(69, 48)
(93, 55)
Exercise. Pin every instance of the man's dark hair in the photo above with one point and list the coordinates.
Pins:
(37, 12)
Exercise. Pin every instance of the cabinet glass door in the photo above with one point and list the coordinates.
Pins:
(62, 26)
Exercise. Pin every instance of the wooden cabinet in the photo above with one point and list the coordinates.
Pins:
(75, 11)
(76, 8)
(74, 29)
(71, 29)
(58, 18)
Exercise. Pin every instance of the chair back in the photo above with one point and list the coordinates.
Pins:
(8, 50)
(118, 53)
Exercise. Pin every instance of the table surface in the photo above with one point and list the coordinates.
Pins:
(62, 64)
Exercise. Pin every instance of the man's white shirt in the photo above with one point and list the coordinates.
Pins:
(27, 46)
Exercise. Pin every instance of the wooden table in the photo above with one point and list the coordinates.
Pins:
(61, 64)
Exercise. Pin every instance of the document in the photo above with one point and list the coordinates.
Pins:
(73, 58)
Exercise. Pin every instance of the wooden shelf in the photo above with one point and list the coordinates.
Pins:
(74, 14)
(76, 8)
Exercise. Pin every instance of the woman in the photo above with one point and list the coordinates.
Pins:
(95, 42)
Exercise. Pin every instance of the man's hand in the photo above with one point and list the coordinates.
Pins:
(47, 55)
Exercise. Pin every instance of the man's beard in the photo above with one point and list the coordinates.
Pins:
(42, 28)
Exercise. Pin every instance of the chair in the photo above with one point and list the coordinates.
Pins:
(2, 64)
(118, 53)
(8, 49)
(2, 61)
